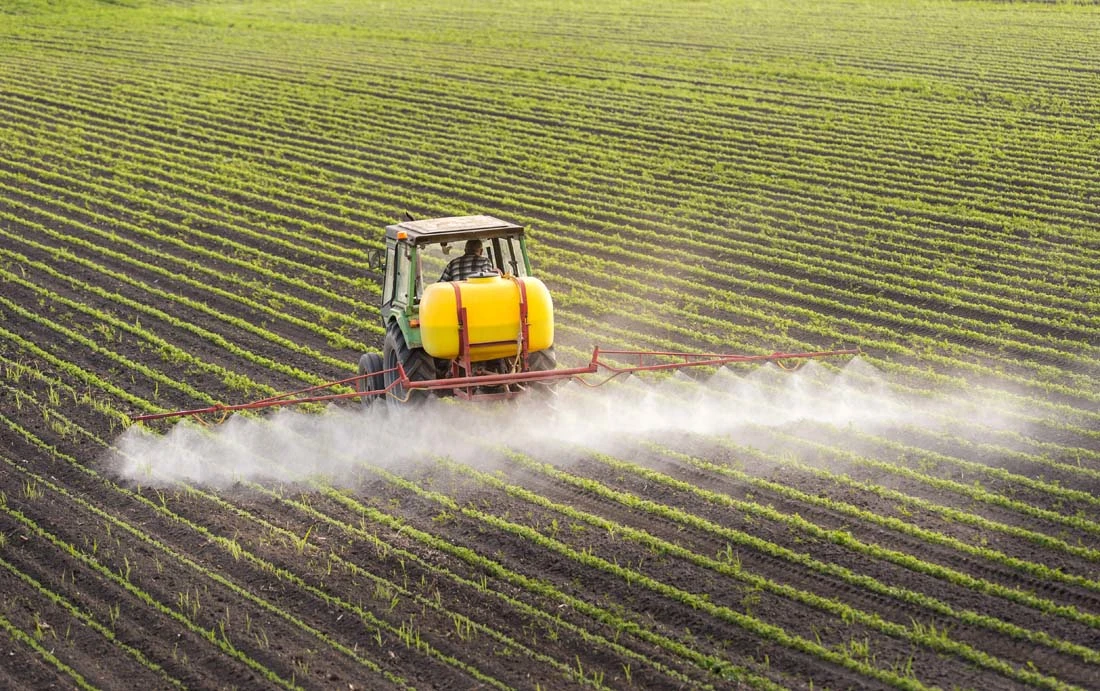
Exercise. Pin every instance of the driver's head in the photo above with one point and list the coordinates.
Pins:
(473, 246)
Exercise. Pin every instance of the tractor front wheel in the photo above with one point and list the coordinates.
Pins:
(418, 366)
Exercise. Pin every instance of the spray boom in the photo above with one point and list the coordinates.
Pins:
(604, 366)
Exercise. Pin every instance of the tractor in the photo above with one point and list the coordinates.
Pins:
(499, 321)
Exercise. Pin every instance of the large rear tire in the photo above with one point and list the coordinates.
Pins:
(542, 360)
(418, 366)
(370, 364)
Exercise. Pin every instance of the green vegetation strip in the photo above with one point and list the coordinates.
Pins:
(288, 537)
(918, 632)
(947, 512)
(386, 548)
(85, 247)
(845, 538)
(210, 634)
(47, 655)
(749, 623)
(736, 537)
(86, 619)
(980, 334)
(245, 156)
(715, 665)
(1023, 565)
(166, 350)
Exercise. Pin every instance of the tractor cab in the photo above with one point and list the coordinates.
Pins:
(418, 251)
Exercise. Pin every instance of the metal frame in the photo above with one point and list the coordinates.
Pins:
(646, 361)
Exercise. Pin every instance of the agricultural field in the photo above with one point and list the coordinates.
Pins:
(189, 190)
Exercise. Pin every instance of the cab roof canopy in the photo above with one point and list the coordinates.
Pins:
(453, 229)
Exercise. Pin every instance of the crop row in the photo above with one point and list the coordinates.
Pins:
(737, 570)
(884, 156)
(949, 513)
(85, 253)
(994, 298)
(237, 548)
(254, 264)
(191, 604)
(930, 537)
(579, 98)
(1057, 484)
(437, 498)
(113, 328)
(185, 219)
(614, 530)
(1059, 497)
(898, 56)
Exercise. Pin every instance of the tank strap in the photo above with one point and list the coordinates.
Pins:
(524, 328)
(458, 305)
(463, 330)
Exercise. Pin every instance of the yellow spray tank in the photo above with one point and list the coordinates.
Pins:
(492, 306)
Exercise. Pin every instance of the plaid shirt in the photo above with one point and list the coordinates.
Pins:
(466, 265)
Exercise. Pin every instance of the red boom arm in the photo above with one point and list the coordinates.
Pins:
(646, 361)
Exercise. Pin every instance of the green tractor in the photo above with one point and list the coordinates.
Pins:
(467, 330)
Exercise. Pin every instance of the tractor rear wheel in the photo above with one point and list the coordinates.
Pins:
(370, 364)
(542, 360)
(418, 366)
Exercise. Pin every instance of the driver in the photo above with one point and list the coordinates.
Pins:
(471, 262)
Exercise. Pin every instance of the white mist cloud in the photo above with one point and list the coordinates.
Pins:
(288, 446)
